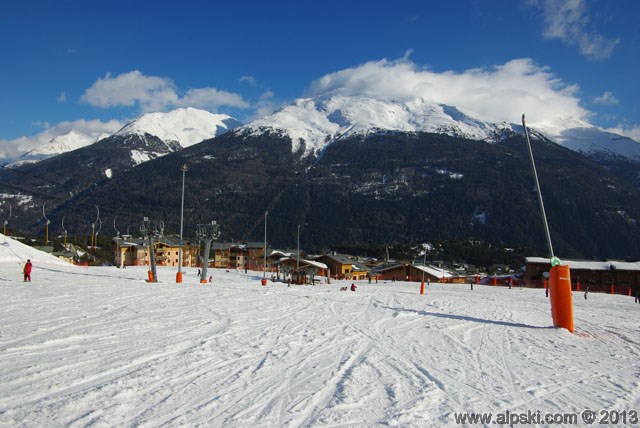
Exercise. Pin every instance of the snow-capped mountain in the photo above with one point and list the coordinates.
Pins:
(61, 144)
(185, 126)
(179, 128)
(589, 140)
(317, 122)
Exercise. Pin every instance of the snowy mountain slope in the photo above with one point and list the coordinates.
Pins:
(15, 252)
(592, 141)
(319, 121)
(72, 140)
(185, 126)
(322, 120)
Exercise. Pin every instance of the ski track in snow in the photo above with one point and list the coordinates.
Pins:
(100, 347)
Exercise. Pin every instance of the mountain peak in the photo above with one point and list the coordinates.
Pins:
(315, 122)
(72, 140)
(186, 126)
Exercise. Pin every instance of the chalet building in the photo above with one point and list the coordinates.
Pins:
(343, 267)
(239, 255)
(416, 272)
(130, 251)
(604, 276)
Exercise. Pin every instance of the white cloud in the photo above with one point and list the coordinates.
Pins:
(607, 99)
(10, 149)
(249, 79)
(500, 92)
(569, 22)
(129, 89)
(153, 93)
(62, 98)
(210, 98)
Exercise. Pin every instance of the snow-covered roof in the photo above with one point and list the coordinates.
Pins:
(434, 271)
(590, 265)
(305, 262)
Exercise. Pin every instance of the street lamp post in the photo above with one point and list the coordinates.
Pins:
(179, 274)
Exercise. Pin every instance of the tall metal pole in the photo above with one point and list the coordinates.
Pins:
(424, 263)
(264, 270)
(179, 274)
(298, 256)
(535, 176)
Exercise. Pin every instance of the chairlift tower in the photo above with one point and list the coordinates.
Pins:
(151, 229)
(207, 232)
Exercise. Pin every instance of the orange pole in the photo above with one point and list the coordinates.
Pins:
(560, 296)
(422, 288)
(477, 279)
(612, 289)
(495, 279)
(179, 277)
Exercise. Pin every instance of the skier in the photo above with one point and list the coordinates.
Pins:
(353, 287)
(546, 291)
(471, 284)
(586, 291)
(27, 271)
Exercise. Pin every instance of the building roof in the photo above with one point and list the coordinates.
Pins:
(346, 260)
(590, 265)
(434, 271)
(304, 263)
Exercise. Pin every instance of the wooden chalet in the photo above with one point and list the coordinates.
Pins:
(343, 267)
(611, 276)
(416, 272)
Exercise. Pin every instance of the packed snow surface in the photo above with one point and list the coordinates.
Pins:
(99, 346)
(187, 126)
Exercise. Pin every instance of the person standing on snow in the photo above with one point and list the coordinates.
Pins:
(27, 271)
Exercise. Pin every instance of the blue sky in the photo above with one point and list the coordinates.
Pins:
(95, 66)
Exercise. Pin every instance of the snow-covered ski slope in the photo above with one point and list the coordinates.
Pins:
(100, 347)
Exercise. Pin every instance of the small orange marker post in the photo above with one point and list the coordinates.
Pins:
(613, 289)
(422, 288)
(179, 278)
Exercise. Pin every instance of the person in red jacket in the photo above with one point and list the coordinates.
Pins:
(27, 271)
(353, 287)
